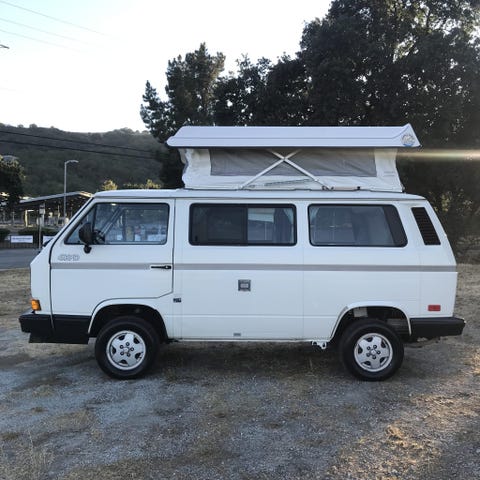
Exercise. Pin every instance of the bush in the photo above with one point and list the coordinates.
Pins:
(3, 233)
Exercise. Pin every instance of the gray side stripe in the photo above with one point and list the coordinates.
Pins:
(100, 266)
(315, 268)
(256, 267)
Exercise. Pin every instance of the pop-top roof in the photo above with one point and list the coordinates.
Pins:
(353, 158)
(268, 137)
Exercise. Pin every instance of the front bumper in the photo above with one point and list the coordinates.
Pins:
(31, 322)
(45, 329)
(436, 327)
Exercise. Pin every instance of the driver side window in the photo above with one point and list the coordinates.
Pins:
(120, 224)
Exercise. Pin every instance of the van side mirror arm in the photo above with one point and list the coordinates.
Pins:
(85, 234)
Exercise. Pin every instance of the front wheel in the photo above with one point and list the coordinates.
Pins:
(371, 350)
(126, 347)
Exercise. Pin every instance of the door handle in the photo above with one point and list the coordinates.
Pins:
(162, 267)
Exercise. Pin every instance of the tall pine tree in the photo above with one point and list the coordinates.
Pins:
(190, 91)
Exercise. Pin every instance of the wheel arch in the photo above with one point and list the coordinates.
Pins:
(393, 315)
(108, 312)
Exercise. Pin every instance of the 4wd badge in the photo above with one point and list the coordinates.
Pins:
(65, 257)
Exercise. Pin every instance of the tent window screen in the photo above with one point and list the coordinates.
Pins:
(242, 224)
(358, 226)
(317, 161)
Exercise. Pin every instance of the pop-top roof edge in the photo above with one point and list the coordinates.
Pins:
(296, 137)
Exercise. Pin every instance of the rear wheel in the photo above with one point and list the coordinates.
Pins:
(126, 347)
(371, 350)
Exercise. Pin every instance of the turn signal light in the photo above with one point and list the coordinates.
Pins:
(434, 308)
(35, 304)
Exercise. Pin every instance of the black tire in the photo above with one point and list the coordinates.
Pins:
(371, 350)
(126, 347)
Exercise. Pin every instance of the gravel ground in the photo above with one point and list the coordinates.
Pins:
(270, 411)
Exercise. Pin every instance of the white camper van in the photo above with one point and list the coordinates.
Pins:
(282, 234)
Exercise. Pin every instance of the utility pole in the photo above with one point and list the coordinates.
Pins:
(65, 188)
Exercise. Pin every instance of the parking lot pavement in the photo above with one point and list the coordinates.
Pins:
(16, 258)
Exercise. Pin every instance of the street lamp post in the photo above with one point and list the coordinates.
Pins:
(41, 213)
(65, 188)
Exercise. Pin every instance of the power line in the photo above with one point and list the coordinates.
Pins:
(51, 18)
(79, 150)
(38, 40)
(45, 137)
(42, 31)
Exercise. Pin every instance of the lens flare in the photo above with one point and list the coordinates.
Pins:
(444, 154)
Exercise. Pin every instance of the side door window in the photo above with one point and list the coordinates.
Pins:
(242, 225)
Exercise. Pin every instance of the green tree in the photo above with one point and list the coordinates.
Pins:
(156, 114)
(11, 180)
(171, 170)
(190, 91)
(285, 97)
(238, 96)
(392, 61)
(148, 185)
(108, 184)
(262, 93)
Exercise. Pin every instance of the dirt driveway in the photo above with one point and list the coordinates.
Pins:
(275, 411)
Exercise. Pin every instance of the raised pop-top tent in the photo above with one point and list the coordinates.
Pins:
(313, 158)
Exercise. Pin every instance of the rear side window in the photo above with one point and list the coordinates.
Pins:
(425, 225)
(356, 225)
(125, 223)
(242, 224)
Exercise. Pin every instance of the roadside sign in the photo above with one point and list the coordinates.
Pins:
(21, 239)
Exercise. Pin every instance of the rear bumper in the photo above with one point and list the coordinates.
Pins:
(436, 327)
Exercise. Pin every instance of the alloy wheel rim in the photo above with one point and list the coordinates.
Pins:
(373, 352)
(126, 350)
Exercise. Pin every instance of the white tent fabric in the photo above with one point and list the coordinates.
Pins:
(303, 157)
(200, 173)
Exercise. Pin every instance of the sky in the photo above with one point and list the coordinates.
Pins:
(82, 65)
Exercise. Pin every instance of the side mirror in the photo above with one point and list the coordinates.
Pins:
(86, 236)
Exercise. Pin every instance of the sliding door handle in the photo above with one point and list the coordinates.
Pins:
(162, 267)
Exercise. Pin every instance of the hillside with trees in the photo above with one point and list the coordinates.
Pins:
(124, 157)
